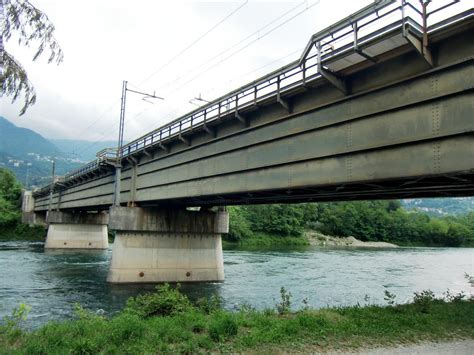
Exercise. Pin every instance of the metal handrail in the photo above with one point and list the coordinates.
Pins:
(332, 41)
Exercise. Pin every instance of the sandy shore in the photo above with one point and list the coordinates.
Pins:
(321, 240)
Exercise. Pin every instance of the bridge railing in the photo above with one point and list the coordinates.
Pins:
(343, 38)
(354, 31)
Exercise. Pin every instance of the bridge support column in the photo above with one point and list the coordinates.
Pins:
(76, 230)
(166, 245)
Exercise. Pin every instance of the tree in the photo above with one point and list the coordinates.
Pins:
(283, 220)
(30, 25)
(239, 226)
(10, 192)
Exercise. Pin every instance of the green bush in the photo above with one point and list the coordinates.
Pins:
(164, 301)
(239, 226)
(222, 327)
(126, 327)
(12, 324)
(10, 195)
(423, 300)
(284, 306)
(209, 305)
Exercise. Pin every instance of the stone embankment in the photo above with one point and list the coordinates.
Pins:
(322, 240)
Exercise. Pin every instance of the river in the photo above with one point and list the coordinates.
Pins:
(51, 282)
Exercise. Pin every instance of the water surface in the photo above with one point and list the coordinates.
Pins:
(53, 281)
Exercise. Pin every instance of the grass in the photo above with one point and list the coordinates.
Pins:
(171, 324)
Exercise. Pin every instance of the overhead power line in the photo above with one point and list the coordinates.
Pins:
(242, 48)
(192, 44)
(257, 32)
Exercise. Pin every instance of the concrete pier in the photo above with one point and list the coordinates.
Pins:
(166, 245)
(76, 230)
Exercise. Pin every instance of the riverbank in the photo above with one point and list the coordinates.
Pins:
(308, 238)
(23, 232)
(166, 321)
(322, 240)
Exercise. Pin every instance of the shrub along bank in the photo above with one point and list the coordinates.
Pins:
(377, 221)
(166, 321)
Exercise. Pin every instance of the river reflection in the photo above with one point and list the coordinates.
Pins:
(53, 281)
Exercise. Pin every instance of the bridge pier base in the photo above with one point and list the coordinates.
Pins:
(76, 230)
(166, 245)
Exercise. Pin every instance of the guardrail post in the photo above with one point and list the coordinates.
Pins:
(404, 30)
(421, 46)
(279, 99)
(329, 76)
(304, 72)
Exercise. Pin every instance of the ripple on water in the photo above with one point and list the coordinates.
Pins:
(52, 282)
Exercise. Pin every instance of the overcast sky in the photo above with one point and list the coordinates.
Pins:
(107, 41)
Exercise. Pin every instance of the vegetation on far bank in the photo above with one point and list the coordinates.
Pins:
(168, 322)
(377, 221)
(11, 227)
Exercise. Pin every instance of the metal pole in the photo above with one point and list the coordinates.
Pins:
(122, 121)
(118, 162)
(424, 5)
(119, 155)
(51, 189)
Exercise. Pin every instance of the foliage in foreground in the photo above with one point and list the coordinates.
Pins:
(28, 24)
(182, 327)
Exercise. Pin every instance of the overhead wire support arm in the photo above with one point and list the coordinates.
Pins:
(145, 94)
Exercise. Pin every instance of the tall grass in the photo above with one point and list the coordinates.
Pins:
(166, 321)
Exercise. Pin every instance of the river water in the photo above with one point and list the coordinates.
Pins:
(51, 282)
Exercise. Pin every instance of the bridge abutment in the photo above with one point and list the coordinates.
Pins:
(155, 245)
(76, 230)
(28, 214)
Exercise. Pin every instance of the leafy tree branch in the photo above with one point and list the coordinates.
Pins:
(30, 25)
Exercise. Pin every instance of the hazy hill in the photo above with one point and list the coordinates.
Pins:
(441, 206)
(29, 155)
(19, 141)
(81, 149)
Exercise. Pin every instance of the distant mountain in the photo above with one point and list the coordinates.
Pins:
(81, 149)
(441, 206)
(19, 141)
(29, 155)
